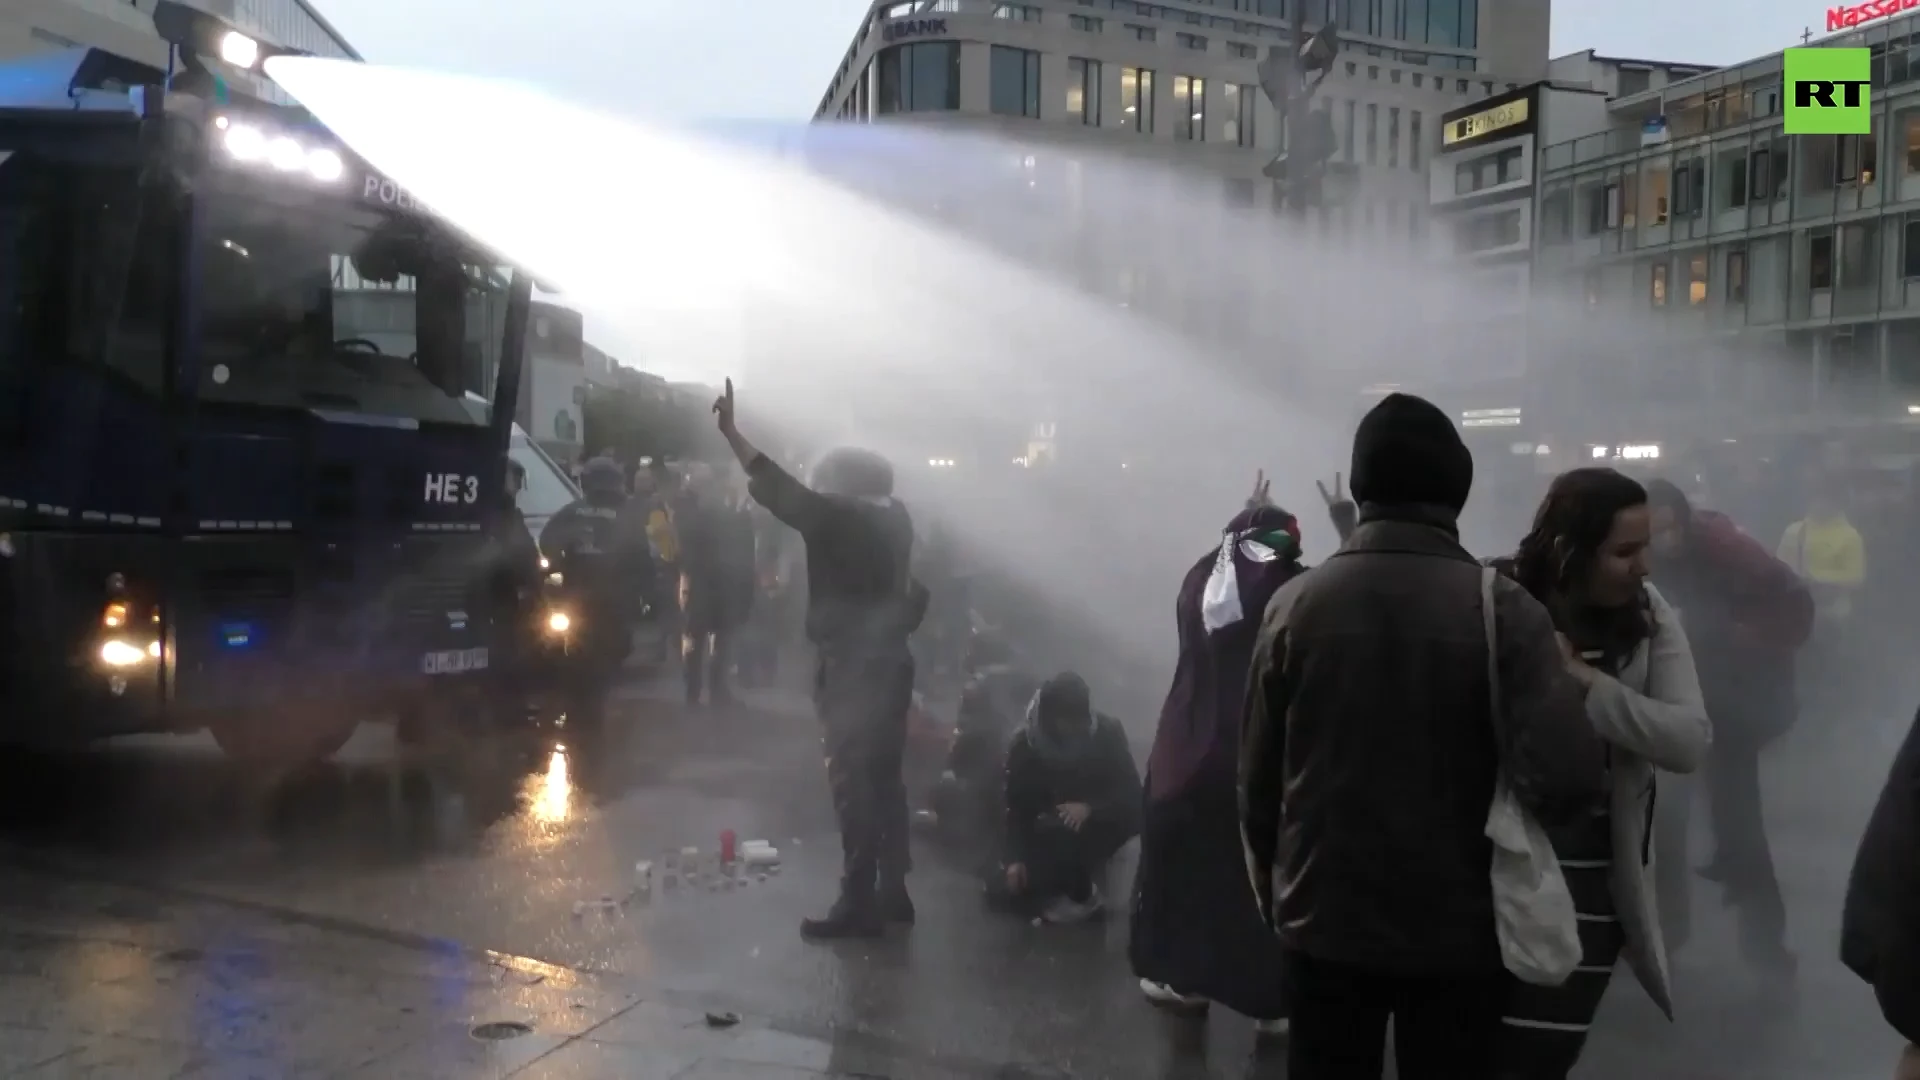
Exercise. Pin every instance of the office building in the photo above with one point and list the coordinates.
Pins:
(1175, 82)
(1483, 194)
(1778, 272)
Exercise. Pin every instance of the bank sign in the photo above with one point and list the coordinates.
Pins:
(1827, 91)
(902, 29)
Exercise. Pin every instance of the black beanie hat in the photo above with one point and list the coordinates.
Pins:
(1407, 451)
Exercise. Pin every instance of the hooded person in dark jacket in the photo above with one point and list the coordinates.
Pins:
(1197, 937)
(1368, 763)
(1072, 801)
(1880, 925)
(1746, 614)
(862, 606)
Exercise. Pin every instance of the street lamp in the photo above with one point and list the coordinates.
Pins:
(1289, 78)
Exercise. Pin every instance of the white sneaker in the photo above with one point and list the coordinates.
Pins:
(1272, 1028)
(1168, 998)
(1063, 911)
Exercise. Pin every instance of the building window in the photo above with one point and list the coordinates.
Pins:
(1090, 23)
(1415, 151)
(923, 77)
(1189, 108)
(1373, 134)
(1856, 256)
(1243, 50)
(1191, 41)
(1737, 276)
(1697, 279)
(1689, 187)
(1820, 261)
(1239, 100)
(1910, 248)
(1856, 159)
(1485, 232)
(1556, 216)
(1083, 90)
(1734, 168)
(1014, 82)
(1487, 171)
(1393, 138)
(1142, 33)
(1016, 12)
(1911, 123)
(1136, 99)
(1769, 171)
(1659, 294)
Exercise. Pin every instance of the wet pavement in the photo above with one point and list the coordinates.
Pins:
(161, 917)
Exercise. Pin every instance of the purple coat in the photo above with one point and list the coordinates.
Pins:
(1199, 732)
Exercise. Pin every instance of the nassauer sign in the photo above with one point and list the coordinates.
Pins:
(1848, 16)
(1827, 91)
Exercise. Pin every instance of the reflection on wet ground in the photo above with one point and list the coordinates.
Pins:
(529, 849)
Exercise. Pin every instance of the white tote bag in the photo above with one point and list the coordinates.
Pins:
(1532, 907)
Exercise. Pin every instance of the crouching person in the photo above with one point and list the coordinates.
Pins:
(1073, 799)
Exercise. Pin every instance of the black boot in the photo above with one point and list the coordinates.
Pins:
(895, 905)
(852, 916)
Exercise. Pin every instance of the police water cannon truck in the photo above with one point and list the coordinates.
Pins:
(242, 487)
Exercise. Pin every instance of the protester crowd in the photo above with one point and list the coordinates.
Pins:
(1405, 793)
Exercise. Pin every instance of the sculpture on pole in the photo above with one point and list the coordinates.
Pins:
(1289, 76)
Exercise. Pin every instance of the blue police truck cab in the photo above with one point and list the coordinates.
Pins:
(242, 486)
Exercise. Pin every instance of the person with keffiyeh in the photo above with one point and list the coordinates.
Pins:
(1197, 936)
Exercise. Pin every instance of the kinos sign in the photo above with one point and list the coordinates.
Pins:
(1847, 17)
(1827, 91)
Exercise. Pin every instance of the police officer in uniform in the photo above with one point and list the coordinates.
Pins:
(599, 541)
(862, 606)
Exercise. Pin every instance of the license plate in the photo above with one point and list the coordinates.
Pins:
(453, 661)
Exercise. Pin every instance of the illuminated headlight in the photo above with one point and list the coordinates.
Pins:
(325, 165)
(286, 154)
(559, 622)
(246, 143)
(239, 50)
(120, 654)
(250, 145)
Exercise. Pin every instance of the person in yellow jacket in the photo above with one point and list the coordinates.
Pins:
(1826, 551)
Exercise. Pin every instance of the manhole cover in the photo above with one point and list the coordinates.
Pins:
(501, 1030)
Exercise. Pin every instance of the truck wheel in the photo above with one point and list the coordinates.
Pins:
(283, 742)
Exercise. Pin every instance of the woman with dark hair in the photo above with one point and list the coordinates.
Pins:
(1197, 933)
(1586, 560)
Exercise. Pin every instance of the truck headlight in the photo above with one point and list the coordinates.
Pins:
(121, 654)
(239, 50)
(559, 622)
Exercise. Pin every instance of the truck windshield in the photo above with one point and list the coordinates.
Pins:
(548, 490)
(327, 305)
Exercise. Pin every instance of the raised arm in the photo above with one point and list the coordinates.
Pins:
(797, 506)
